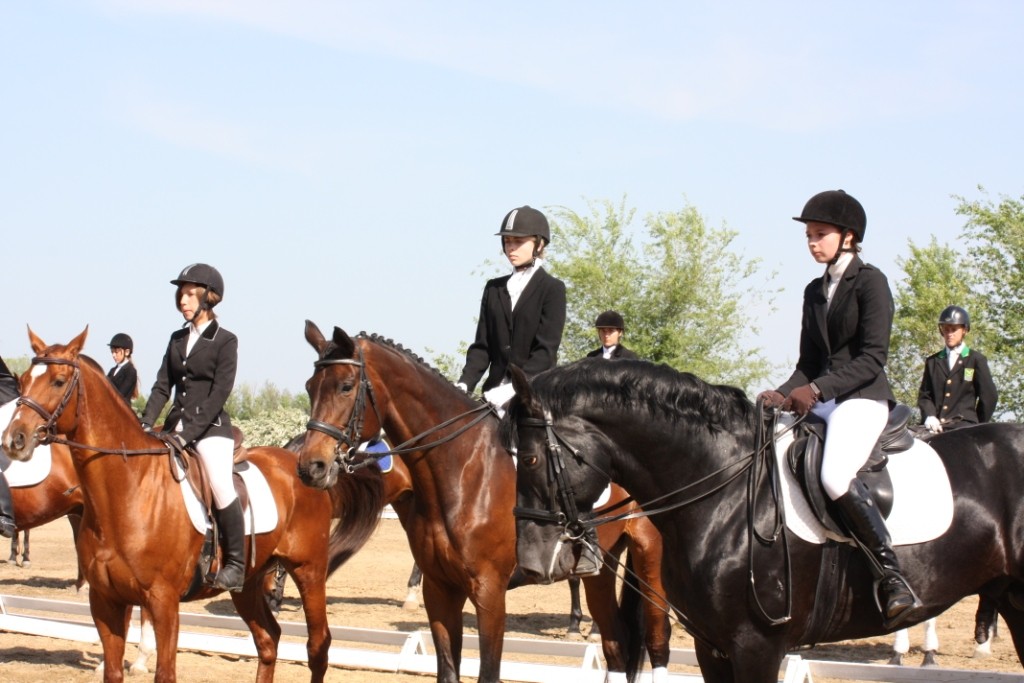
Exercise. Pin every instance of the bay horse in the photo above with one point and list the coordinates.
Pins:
(137, 545)
(459, 519)
(688, 449)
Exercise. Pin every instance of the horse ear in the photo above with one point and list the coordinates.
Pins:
(315, 337)
(345, 345)
(37, 344)
(76, 344)
(521, 384)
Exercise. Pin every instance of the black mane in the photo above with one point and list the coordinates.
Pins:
(631, 385)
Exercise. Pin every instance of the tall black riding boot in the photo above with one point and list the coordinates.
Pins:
(7, 527)
(231, 576)
(866, 524)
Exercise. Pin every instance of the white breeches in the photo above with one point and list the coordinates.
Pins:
(853, 429)
(215, 456)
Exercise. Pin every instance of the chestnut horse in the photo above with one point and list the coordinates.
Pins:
(461, 530)
(137, 545)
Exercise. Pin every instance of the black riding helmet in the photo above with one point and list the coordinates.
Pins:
(201, 274)
(526, 221)
(954, 315)
(610, 319)
(121, 341)
(205, 276)
(837, 208)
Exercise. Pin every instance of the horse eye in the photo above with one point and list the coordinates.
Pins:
(529, 461)
(59, 382)
(345, 388)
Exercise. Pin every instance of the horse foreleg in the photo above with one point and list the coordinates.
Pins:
(13, 559)
(111, 620)
(412, 598)
(26, 561)
(575, 608)
(900, 647)
(985, 620)
(444, 605)
(604, 610)
(489, 600)
(147, 643)
(76, 522)
(312, 585)
(163, 608)
(251, 605)
(931, 643)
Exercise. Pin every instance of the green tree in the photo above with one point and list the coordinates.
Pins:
(687, 297)
(937, 276)
(995, 231)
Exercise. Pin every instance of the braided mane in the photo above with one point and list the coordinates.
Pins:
(392, 344)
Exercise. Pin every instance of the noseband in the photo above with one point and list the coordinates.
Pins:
(568, 517)
(47, 432)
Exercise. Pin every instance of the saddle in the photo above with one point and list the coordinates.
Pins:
(187, 458)
(804, 457)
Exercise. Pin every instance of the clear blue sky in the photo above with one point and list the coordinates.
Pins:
(350, 162)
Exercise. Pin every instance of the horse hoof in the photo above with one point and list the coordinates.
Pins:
(411, 605)
(26, 564)
(138, 669)
(984, 650)
(929, 660)
(897, 660)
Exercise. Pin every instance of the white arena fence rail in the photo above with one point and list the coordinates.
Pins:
(411, 651)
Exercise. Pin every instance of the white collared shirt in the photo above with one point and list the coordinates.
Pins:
(193, 335)
(607, 351)
(517, 283)
(835, 274)
(953, 354)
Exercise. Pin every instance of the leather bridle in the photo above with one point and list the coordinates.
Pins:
(47, 432)
(349, 437)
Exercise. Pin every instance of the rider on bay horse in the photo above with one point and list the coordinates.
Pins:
(840, 377)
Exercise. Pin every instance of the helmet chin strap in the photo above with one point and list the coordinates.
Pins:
(841, 250)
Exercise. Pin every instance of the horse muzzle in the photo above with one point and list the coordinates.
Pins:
(19, 443)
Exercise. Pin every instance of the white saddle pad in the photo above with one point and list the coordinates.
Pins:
(261, 502)
(922, 498)
(23, 472)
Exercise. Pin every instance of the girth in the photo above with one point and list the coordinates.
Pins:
(805, 457)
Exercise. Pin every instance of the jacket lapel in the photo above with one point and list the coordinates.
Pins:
(203, 343)
(530, 291)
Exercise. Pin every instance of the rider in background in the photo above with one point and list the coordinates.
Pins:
(610, 327)
(522, 315)
(123, 375)
(8, 392)
(200, 366)
(957, 388)
(840, 377)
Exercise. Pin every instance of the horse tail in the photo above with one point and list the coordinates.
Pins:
(631, 614)
(357, 499)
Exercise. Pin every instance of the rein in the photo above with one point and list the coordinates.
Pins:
(46, 433)
(753, 463)
(349, 437)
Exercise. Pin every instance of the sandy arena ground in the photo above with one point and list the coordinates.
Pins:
(368, 592)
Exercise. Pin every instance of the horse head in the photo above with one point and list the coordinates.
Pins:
(339, 392)
(50, 391)
(562, 469)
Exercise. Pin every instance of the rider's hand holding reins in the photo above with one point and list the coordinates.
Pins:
(771, 398)
(932, 424)
(801, 400)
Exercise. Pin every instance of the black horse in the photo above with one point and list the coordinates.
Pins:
(689, 452)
